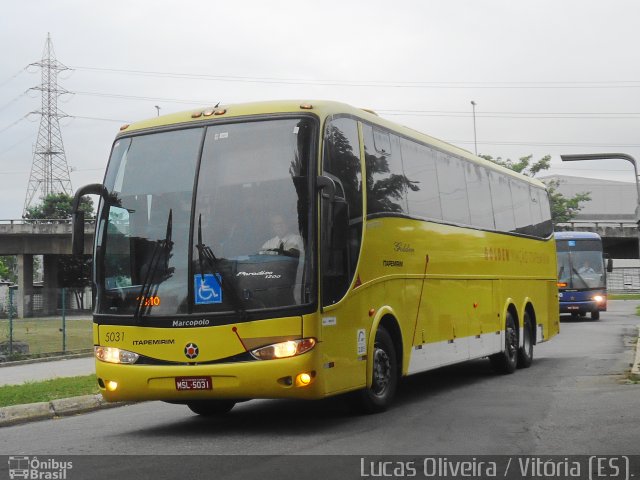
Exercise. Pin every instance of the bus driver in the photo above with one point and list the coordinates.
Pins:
(282, 243)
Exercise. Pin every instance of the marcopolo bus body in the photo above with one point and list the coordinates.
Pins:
(295, 250)
(582, 277)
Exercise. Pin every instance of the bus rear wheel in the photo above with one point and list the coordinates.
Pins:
(211, 408)
(506, 362)
(384, 381)
(525, 353)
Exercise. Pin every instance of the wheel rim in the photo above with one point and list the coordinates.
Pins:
(512, 342)
(527, 343)
(381, 372)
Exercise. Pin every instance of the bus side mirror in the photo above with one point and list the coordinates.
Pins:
(327, 185)
(609, 265)
(77, 234)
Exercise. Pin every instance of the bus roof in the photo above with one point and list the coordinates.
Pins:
(576, 236)
(322, 109)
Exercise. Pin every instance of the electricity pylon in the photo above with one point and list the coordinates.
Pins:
(49, 170)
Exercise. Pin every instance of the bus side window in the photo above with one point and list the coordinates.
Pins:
(341, 216)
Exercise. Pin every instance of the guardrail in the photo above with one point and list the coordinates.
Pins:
(32, 221)
(597, 224)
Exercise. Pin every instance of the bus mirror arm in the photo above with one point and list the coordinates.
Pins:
(327, 185)
(77, 235)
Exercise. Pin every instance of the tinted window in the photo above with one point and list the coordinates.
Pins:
(501, 198)
(251, 226)
(146, 224)
(341, 219)
(521, 206)
(386, 183)
(545, 227)
(480, 206)
(419, 163)
(453, 190)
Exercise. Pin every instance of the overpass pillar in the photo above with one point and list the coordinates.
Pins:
(25, 286)
(50, 293)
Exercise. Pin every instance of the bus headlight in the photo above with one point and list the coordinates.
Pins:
(287, 349)
(115, 355)
(598, 298)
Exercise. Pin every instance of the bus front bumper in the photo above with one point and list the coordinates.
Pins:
(295, 377)
(583, 307)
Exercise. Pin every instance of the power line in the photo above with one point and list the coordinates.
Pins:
(398, 112)
(153, 99)
(4, 82)
(548, 144)
(515, 115)
(115, 120)
(369, 83)
(13, 124)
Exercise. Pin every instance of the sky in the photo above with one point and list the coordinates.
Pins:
(547, 76)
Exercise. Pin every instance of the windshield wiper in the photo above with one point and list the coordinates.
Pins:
(225, 282)
(586, 285)
(161, 254)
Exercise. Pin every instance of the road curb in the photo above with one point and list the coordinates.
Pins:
(635, 369)
(63, 407)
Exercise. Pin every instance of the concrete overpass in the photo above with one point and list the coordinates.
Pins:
(619, 238)
(49, 238)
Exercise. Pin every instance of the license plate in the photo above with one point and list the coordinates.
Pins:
(193, 383)
(573, 308)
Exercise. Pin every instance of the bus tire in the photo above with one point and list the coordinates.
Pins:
(506, 361)
(384, 382)
(595, 315)
(211, 408)
(525, 353)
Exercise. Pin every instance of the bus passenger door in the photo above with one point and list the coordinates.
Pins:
(341, 217)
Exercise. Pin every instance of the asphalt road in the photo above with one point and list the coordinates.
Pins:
(573, 400)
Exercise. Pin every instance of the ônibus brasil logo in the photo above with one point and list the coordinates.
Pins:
(191, 351)
(32, 467)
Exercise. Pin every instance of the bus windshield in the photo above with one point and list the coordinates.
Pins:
(207, 220)
(580, 264)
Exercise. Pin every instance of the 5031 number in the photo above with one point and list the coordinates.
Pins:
(111, 337)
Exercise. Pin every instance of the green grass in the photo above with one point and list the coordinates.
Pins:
(32, 392)
(45, 334)
(624, 296)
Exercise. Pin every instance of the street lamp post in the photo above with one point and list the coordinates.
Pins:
(612, 156)
(475, 141)
(158, 110)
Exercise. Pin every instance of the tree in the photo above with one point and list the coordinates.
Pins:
(58, 206)
(8, 269)
(563, 209)
(72, 272)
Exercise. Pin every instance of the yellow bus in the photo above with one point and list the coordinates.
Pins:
(308, 249)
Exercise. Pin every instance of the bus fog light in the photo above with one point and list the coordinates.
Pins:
(304, 379)
(287, 349)
(115, 355)
(112, 386)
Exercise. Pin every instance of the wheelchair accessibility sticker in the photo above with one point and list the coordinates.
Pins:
(207, 288)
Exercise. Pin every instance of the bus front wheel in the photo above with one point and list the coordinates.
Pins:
(506, 362)
(211, 408)
(384, 381)
(595, 315)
